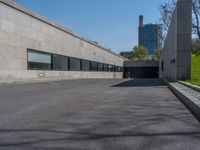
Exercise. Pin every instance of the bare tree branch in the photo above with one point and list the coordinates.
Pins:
(166, 12)
(196, 17)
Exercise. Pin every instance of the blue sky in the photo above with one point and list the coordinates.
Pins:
(112, 23)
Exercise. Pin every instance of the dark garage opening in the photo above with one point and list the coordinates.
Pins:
(141, 72)
(141, 69)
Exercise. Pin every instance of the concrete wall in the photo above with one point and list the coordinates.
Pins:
(141, 64)
(21, 29)
(176, 56)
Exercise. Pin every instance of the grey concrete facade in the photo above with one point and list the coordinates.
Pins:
(175, 62)
(21, 29)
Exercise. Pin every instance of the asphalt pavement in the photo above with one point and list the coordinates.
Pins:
(138, 114)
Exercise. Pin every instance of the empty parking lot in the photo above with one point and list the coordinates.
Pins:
(95, 115)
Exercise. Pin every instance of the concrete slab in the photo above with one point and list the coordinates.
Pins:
(189, 96)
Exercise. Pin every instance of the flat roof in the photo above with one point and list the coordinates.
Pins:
(29, 12)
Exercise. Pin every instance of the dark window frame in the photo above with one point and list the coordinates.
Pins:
(104, 68)
(63, 57)
(38, 52)
(69, 64)
(92, 68)
(100, 67)
(89, 65)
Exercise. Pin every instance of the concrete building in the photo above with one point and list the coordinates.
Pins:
(175, 61)
(148, 36)
(33, 47)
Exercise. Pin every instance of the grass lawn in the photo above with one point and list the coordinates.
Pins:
(195, 70)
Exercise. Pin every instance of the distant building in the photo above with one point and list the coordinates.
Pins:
(148, 36)
(127, 54)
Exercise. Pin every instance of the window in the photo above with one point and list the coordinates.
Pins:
(114, 68)
(100, 67)
(94, 66)
(74, 64)
(60, 63)
(85, 65)
(111, 68)
(105, 67)
(39, 60)
(119, 69)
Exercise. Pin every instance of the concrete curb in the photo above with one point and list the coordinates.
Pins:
(194, 87)
(32, 81)
(49, 80)
(192, 103)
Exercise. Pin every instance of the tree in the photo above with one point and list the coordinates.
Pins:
(166, 11)
(157, 53)
(196, 47)
(139, 53)
(196, 17)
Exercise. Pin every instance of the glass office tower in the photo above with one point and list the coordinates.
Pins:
(149, 36)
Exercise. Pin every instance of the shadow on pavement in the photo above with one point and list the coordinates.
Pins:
(141, 83)
(83, 136)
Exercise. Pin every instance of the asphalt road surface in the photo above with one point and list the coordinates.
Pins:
(140, 114)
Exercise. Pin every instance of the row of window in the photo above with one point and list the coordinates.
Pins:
(38, 60)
